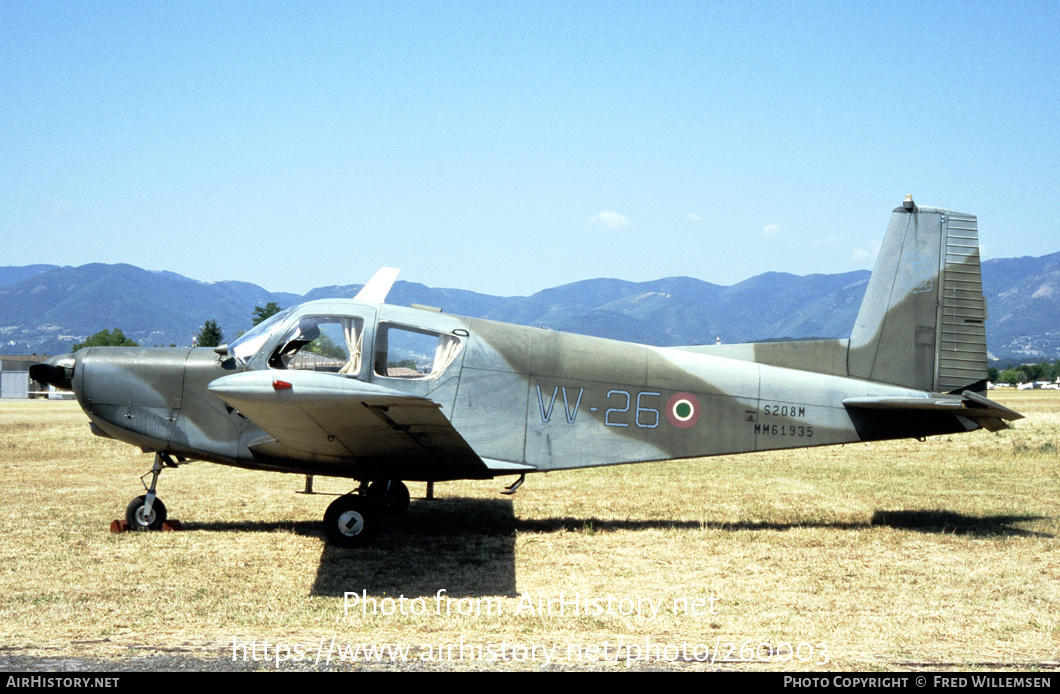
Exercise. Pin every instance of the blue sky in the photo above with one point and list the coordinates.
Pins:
(506, 147)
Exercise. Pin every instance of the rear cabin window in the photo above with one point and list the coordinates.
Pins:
(403, 352)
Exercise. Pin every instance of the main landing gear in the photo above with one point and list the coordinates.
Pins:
(147, 512)
(354, 520)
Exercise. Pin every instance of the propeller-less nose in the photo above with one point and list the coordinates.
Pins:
(57, 371)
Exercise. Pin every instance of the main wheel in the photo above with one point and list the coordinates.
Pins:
(393, 494)
(351, 521)
(138, 519)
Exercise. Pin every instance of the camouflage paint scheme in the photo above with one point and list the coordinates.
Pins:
(509, 399)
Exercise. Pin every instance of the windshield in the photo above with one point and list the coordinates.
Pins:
(248, 344)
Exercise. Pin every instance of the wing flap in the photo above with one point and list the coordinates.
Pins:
(315, 416)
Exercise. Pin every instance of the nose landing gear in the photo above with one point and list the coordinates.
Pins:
(147, 512)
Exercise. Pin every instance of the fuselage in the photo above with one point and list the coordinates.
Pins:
(524, 399)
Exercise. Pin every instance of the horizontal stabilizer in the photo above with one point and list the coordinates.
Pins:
(982, 411)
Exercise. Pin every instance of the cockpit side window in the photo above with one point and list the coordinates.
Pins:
(405, 352)
(321, 343)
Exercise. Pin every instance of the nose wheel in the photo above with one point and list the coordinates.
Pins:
(147, 512)
(141, 517)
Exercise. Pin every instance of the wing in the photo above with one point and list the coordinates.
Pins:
(325, 418)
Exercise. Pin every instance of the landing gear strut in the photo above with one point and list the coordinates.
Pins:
(147, 512)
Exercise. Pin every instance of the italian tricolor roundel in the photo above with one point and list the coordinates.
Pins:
(682, 410)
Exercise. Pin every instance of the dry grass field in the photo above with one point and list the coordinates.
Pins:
(901, 555)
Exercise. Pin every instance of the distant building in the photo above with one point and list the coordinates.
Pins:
(15, 383)
(14, 379)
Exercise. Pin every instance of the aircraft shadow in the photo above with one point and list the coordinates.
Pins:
(935, 521)
(952, 523)
(467, 546)
(307, 528)
(464, 546)
(450, 519)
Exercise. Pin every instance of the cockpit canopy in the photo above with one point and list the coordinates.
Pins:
(318, 338)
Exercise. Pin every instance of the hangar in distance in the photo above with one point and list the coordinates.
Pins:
(382, 394)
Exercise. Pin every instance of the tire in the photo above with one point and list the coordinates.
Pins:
(134, 515)
(392, 494)
(351, 521)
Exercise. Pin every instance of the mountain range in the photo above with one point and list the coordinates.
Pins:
(44, 309)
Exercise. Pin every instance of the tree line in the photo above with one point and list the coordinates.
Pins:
(1025, 373)
(209, 335)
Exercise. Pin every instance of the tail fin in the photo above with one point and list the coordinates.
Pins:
(922, 322)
